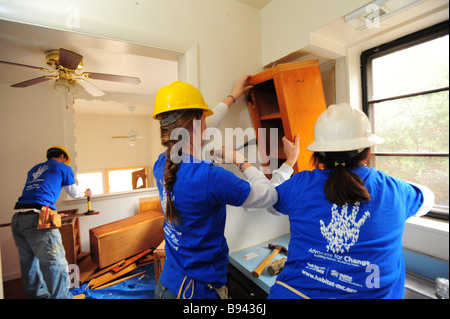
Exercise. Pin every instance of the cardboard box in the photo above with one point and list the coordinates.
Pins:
(124, 238)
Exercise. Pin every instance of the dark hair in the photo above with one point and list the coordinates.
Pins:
(342, 186)
(55, 152)
(171, 168)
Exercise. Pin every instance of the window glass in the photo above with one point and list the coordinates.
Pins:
(93, 181)
(414, 124)
(122, 180)
(415, 69)
(430, 171)
(407, 100)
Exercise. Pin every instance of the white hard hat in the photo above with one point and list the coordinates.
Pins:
(342, 128)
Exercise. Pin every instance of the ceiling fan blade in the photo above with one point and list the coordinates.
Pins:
(31, 82)
(120, 137)
(90, 88)
(112, 77)
(69, 59)
(26, 66)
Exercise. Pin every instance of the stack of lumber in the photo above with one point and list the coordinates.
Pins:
(101, 278)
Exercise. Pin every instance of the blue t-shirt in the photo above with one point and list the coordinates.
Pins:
(196, 247)
(44, 183)
(350, 251)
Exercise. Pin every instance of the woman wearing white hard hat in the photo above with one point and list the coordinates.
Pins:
(346, 219)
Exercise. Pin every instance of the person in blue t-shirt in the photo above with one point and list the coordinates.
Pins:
(194, 193)
(346, 219)
(41, 253)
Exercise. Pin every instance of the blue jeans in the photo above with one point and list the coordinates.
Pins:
(42, 258)
(162, 292)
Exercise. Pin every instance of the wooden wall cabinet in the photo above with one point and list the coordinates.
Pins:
(289, 98)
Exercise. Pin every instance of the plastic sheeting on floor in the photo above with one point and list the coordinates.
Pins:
(139, 287)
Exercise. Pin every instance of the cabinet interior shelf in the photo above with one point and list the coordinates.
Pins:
(270, 116)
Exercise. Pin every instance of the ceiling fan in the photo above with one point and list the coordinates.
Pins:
(65, 64)
(132, 135)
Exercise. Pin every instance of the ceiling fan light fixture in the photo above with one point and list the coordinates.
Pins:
(132, 142)
(61, 86)
(65, 63)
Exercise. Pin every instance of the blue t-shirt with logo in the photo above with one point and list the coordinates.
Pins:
(196, 247)
(44, 183)
(350, 251)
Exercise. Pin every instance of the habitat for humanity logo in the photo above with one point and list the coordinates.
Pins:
(343, 230)
(39, 172)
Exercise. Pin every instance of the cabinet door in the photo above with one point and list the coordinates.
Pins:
(301, 100)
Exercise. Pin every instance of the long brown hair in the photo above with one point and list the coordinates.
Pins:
(342, 186)
(185, 121)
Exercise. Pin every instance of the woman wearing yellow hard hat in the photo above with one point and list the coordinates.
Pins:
(194, 193)
(346, 219)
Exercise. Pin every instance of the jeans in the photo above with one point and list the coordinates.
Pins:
(162, 292)
(42, 258)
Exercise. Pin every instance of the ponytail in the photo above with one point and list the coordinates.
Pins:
(342, 186)
(183, 121)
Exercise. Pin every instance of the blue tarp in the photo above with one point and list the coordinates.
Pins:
(139, 287)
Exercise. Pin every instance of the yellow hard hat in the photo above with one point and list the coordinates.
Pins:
(62, 149)
(179, 96)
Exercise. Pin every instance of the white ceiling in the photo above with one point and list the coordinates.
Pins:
(26, 44)
(258, 4)
(339, 36)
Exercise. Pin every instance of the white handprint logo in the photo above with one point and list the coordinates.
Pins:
(39, 172)
(343, 230)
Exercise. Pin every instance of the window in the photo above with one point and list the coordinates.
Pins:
(114, 180)
(406, 96)
(92, 180)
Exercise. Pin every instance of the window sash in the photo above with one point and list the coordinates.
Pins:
(369, 104)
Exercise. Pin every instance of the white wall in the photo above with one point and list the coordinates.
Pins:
(29, 124)
(286, 25)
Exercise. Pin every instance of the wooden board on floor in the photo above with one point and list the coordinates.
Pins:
(110, 276)
(87, 268)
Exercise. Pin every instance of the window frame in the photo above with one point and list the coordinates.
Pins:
(105, 177)
(367, 56)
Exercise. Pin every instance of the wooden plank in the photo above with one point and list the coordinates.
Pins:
(131, 260)
(105, 270)
(120, 280)
(87, 268)
(110, 276)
